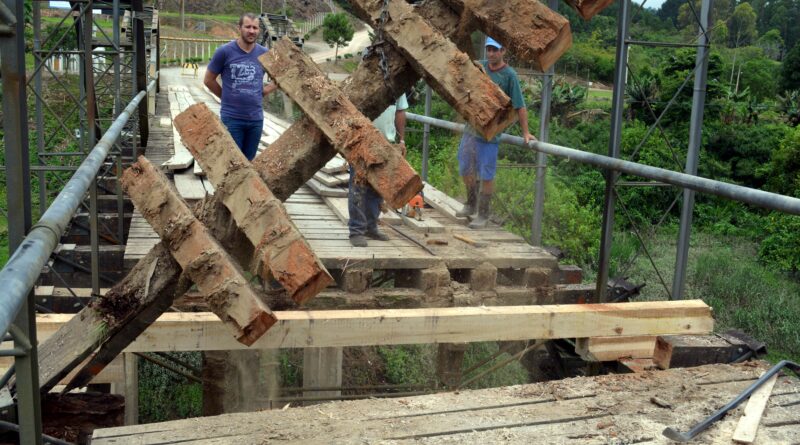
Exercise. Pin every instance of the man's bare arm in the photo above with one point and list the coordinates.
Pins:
(522, 113)
(210, 81)
(400, 126)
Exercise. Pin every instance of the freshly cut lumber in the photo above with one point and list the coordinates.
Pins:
(113, 321)
(683, 351)
(189, 186)
(323, 190)
(531, 30)
(588, 8)
(335, 165)
(747, 427)
(442, 202)
(332, 180)
(426, 225)
(375, 160)
(202, 331)
(606, 349)
(207, 264)
(281, 251)
(445, 68)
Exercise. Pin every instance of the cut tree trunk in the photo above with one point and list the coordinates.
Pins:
(588, 8)
(375, 160)
(206, 263)
(116, 319)
(281, 251)
(447, 70)
(531, 30)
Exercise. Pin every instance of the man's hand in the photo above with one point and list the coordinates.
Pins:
(269, 88)
(402, 145)
(528, 137)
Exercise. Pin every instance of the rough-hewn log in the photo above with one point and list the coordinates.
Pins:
(281, 251)
(447, 70)
(202, 258)
(588, 8)
(116, 319)
(528, 28)
(376, 161)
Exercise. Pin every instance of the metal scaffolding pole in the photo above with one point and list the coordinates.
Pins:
(693, 155)
(541, 158)
(617, 109)
(15, 124)
(37, 82)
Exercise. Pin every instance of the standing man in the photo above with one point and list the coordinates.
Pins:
(477, 157)
(363, 202)
(243, 90)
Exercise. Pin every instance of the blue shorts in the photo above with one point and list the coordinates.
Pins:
(477, 157)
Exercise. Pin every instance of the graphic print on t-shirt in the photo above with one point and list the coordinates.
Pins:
(243, 75)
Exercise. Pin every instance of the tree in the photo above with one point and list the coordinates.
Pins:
(790, 74)
(337, 31)
(772, 44)
(719, 33)
(742, 25)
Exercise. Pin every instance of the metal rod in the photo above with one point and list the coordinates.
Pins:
(541, 158)
(693, 155)
(37, 82)
(501, 364)
(617, 110)
(48, 439)
(170, 367)
(773, 201)
(663, 44)
(22, 270)
(426, 135)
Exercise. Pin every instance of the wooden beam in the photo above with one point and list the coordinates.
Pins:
(445, 68)
(281, 251)
(588, 8)
(207, 264)
(683, 351)
(363, 145)
(531, 30)
(204, 331)
(607, 349)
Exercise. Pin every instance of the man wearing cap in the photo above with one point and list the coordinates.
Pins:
(477, 157)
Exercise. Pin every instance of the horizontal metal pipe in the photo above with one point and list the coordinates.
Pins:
(22, 270)
(735, 192)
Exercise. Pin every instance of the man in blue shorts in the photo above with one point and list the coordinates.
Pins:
(242, 90)
(363, 202)
(477, 157)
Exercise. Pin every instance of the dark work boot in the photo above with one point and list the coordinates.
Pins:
(484, 202)
(469, 207)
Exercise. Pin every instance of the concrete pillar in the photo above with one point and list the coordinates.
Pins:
(288, 105)
(322, 367)
(131, 367)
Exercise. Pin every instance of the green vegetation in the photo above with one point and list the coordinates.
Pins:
(337, 31)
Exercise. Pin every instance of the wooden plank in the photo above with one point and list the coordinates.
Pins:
(364, 147)
(298, 329)
(281, 253)
(182, 158)
(131, 366)
(443, 203)
(426, 225)
(335, 165)
(747, 427)
(681, 351)
(606, 349)
(323, 190)
(200, 255)
(189, 186)
(331, 180)
(339, 207)
(450, 72)
(529, 29)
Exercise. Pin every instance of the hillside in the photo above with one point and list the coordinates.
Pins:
(296, 9)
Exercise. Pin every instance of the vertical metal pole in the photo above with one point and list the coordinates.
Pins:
(117, 111)
(37, 83)
(617, 109)
(541, 158)
(15, 124)
(183, 43)
(426, 135)
(695, 139)
(88, 77)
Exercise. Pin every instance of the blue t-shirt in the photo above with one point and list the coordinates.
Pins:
(242, 81)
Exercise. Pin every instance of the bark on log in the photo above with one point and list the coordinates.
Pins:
(215, 273)
(113, 321)
(450, 72)
(531, 30)
(375, 160)
(281, 251)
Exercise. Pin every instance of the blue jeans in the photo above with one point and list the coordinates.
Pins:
(477, 157)
(364, 206)
(247, 134)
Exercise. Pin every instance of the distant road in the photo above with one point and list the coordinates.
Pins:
(359, 42)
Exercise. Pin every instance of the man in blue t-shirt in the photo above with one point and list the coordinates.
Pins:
(242, 90)
(477, 157)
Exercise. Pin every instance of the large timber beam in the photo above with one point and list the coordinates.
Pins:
(588, 8)
(199, 331)
(206, 263)
(531, 30)
(281, 251)
(445, 68)
(111, 322)
(375, 160)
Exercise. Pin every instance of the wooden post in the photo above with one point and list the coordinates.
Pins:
(529, 29)
(375, 160)
(322, 367)
(281, 251)
(131, 366)
(446, 69)
(204, 260)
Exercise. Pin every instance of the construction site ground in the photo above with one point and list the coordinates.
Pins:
(610, 409)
